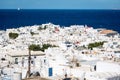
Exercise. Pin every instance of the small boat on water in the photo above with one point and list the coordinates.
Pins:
(18, 9)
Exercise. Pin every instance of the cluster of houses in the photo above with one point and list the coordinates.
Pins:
(71, 58)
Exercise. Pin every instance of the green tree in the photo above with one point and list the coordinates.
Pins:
(13, 35)
(42, 28)
(38, 48)
(34, 47)
(96, 44)
(32, 33)
(46, 46)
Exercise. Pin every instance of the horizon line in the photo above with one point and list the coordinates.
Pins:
(57, 9)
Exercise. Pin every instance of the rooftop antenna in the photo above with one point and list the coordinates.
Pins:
(29, 64)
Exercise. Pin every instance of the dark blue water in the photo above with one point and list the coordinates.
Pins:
(109, 19)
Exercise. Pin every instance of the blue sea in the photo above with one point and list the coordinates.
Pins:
(11, 18)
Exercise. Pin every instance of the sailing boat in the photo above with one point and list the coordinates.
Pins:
(18, 9)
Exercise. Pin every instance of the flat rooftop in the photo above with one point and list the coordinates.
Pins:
(36, 78)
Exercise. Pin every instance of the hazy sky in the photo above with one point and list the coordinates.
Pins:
(60, 4)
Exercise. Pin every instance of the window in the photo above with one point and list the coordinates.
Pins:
(16, 60)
